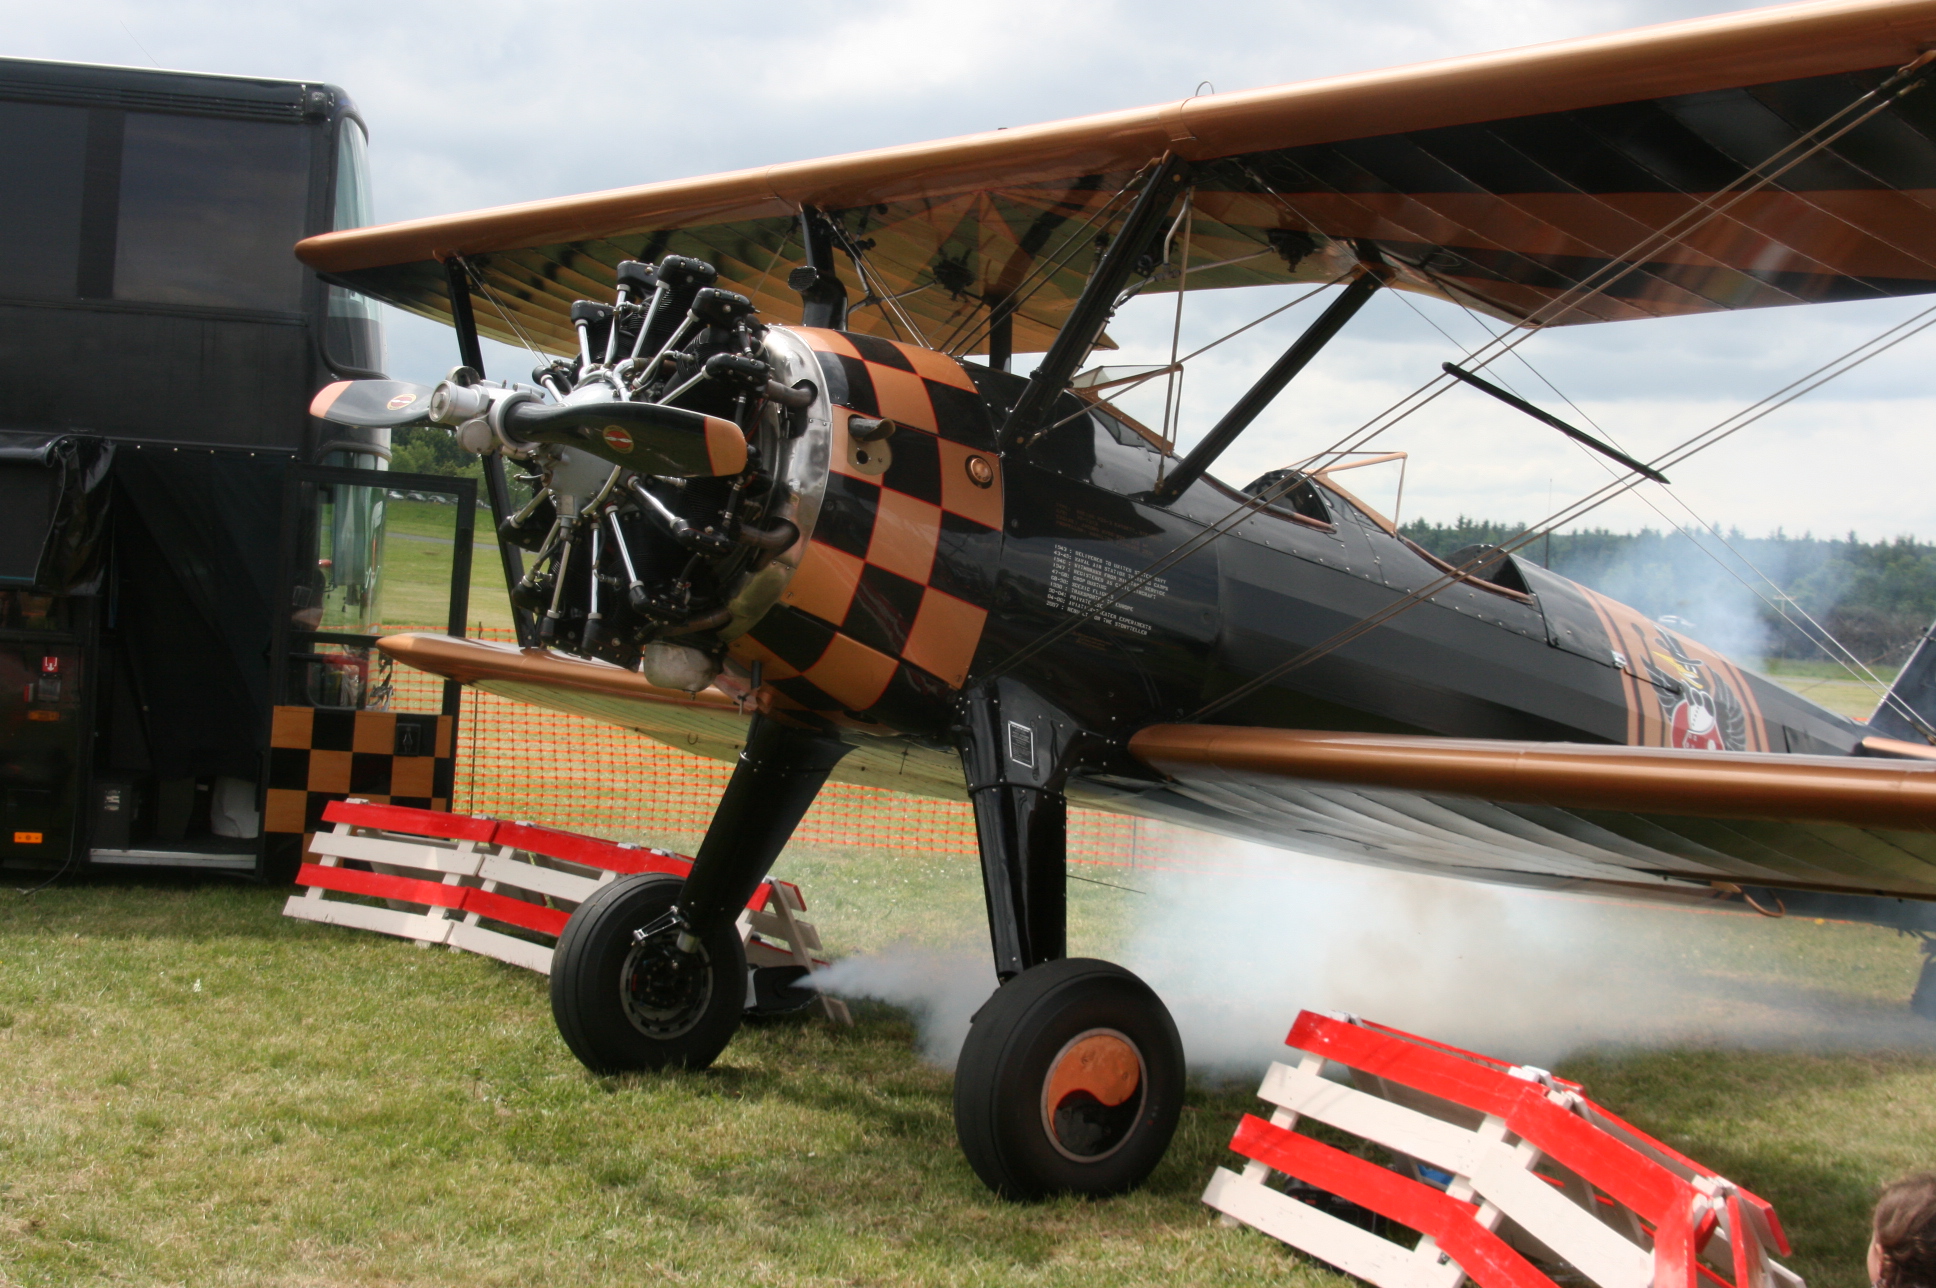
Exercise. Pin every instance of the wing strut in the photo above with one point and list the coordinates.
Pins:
(1271, 383)
(1577, 435)
(823, 298)
(1091, 312)
(471, 353)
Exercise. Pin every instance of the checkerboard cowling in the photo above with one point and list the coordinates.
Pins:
(389, 757)
(885, 612)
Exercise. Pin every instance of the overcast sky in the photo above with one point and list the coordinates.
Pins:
(490, 102)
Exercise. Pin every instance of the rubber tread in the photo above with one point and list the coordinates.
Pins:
(998, 1119)
(584, 1000)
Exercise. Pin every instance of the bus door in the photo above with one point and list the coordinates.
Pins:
(365, 553)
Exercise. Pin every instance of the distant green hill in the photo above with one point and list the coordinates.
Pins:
(1875, 596)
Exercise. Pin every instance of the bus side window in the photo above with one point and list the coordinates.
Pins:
(209, 210)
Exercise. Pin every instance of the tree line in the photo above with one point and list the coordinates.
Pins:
(1877, 597)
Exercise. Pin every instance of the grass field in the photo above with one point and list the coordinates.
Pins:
(417, 550)
(1829, 684)
(197, 1090)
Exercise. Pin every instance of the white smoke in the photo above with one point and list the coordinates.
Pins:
(941, 988)
(1244, 938)
(1520, 974)
(1715, 595)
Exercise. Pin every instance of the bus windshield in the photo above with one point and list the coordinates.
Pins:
(354, 333)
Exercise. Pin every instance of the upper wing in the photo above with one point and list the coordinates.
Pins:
(1632, 815)
(1501, 180)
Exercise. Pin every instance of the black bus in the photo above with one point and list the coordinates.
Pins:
(191, 566)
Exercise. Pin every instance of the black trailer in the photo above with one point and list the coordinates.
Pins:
(192, 568)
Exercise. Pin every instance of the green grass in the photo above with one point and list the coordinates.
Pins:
(1786, 668)
(417, 552)
(196, 1090)
(1829, 683)
(200, 1091)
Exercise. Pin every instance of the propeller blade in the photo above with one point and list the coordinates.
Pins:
(647, 437)
(372, 404)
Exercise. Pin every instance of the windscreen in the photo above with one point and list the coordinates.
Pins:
(355, 330)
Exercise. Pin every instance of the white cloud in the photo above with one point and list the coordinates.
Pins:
(499, 101)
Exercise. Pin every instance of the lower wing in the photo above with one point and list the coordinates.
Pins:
(1557, 813)
(709, 723)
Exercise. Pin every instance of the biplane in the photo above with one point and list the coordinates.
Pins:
(793, 509)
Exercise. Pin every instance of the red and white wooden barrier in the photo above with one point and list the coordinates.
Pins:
(1542, 1179)
(505, 890)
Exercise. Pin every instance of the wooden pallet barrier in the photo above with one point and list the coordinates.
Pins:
(1505, 1173)
(505, 890)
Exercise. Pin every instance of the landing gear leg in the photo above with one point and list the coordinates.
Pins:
(1071, 1079)
(649, 972)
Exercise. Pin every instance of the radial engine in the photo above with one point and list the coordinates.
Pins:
(675, 463)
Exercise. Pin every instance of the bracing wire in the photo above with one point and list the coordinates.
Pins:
(1045, 268)
(509, 321)
(1132, 385)
(1683, 226)
(1689, 447)
(1816, 633)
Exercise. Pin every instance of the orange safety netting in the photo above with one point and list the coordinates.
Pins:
(517, 761)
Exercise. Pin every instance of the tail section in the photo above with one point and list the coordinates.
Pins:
(1908, 713)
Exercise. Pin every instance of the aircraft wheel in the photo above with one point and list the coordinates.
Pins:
(1070, 1082)
(623, 1005)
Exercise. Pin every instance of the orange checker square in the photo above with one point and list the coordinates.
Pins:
(375, 731)
(413, 776)
(938, 367)
(959, 492)
(902, 397)
(292, 726)
(284, 810)
(329, 771)
(826, 341)
(851, 673)
(905, 533)
(446, 725)
(944, 637)
(824, 583)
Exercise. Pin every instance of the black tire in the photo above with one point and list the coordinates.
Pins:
(1087, 1027)
(622, 1006)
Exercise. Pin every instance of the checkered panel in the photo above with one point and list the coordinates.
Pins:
(318, 756)
(873, 620)
(917, 387)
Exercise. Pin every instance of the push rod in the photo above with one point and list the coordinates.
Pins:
(1517, 403)
(496, 488)
(1086, 320)
(1270, 384)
